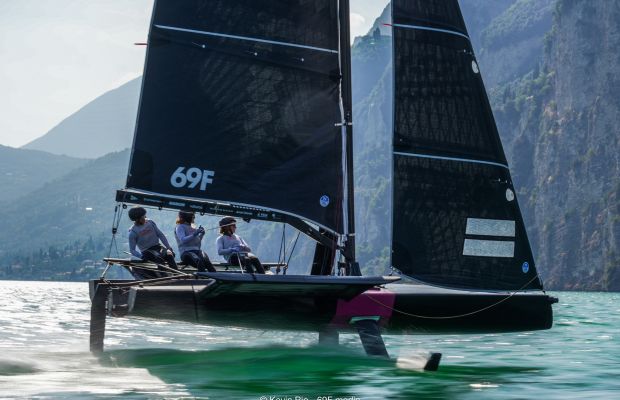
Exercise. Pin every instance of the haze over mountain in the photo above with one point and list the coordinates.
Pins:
(104, 125)
(551, 69)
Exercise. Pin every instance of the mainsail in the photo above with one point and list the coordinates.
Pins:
(456, 221)
(242, 104)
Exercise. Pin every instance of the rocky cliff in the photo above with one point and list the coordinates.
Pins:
(575, 172)
(561, 131)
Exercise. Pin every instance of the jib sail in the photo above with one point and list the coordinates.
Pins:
(456, 221)
(241, 103)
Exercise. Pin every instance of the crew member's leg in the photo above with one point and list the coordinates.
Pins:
(258, 267)
(242, 262)
(191, 258)
(159, 255)
(207, 262)
(169, 258)
(198, 259)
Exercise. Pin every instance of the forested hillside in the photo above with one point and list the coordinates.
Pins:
(22, 171)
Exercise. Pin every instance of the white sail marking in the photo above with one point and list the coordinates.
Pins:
(451, 159)
(490, 227)
(428, 28)
(488, 248)
(172, 28)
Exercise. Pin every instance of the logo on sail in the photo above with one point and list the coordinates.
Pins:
(191, 178)
(324, 200)
(525, 267)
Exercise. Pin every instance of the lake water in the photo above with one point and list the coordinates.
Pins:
(44, 333)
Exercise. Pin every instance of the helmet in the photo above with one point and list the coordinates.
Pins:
(227, 221)
(187, 216)
(135, 213)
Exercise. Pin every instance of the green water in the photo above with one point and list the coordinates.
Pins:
(44, 354)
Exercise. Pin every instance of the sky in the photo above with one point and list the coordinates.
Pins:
(58, 55)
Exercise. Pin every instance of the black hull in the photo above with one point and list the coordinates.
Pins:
(331, 303)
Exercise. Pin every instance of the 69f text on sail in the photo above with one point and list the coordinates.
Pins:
(428, 28)
(224, 35)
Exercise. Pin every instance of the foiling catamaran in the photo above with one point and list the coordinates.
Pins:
(245, 110)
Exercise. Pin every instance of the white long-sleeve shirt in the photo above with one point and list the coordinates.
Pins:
(228, 245)
(145, 236)
(187, 239)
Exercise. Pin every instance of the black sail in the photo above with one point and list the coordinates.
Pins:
(241, 104)
(456, 221)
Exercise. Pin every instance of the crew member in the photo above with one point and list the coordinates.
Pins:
(189, 241)
(234, 249)
(145, 235)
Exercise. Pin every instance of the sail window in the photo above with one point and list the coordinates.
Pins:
(510, 195)
(490, 227)
(488, 248)
(474, 67)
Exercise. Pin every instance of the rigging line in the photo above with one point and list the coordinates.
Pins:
(453, 316)
(116, 220)
(105, 271)
(113, 230)
(428, 28)
(469, 160)
(292, 250)
(143, 282)
(283, 243)
(173, 272)
(247, 38)
(280, 257)
(220, 226)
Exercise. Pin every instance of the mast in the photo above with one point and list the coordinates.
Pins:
(345, 69)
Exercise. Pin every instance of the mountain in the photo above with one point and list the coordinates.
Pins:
(22, 171)
(102, 126)
(551, 69)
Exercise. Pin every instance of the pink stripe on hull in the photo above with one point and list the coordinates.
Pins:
(371, 303)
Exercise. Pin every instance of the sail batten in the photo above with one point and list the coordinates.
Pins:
(241, 104)
(428, 28)
(450, 158)
(456, 221)
(251, 39)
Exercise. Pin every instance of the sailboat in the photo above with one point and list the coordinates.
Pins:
(246, 111)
